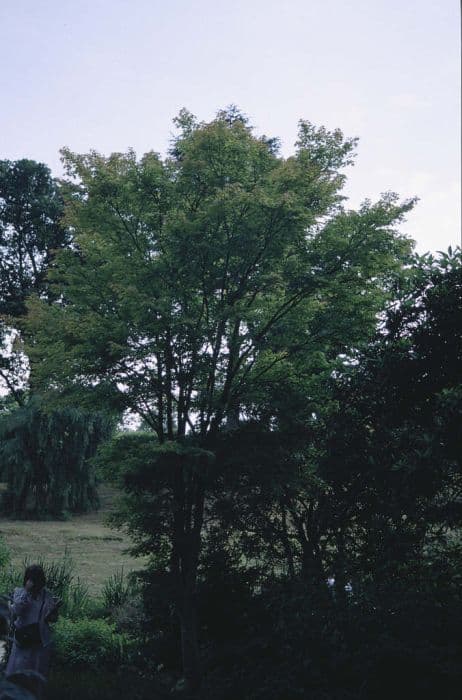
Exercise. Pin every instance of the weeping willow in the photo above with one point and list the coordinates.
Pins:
(45, 459)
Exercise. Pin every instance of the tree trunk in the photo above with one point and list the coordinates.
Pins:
(188, 517)
(189, 643)
(312, 568)
(313, 573)
(341, 597)
(286, 543)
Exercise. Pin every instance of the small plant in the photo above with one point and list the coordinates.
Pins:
(58, 575)
(5, 556)
(117, 590)
(10, 578)
(76, 602)
(130, 616)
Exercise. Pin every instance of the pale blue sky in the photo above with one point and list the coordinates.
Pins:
(109, 74)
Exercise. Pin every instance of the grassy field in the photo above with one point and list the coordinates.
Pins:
(96, 550)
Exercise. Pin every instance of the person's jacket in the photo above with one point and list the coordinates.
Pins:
(26, 610)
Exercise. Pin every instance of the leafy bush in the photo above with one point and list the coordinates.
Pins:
(162, 641)
(399, 641)
(90, 644)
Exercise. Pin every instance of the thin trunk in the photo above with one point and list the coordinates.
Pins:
(231, 370)
(286, 543)
(160, 399)
(169, 387)
(207, 409)
(312, 569)
(312, 566)
(18, 397)
(340, 573)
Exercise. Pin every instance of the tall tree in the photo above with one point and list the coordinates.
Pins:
(181, 270)
(31, 209)
(43, 457)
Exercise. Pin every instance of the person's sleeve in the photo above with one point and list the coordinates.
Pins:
(21, 601)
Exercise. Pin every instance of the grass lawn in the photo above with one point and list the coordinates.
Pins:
(96, 550)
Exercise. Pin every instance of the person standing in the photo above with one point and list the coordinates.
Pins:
(33, 608)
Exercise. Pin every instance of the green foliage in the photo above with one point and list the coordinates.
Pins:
(77, 602)
(11, 577)
(31, 208)
(58, 574)
(61, 582)
(46, 459)
(195, 260)
(201, 289)
(368, 465)
(148, 473)
(39, 451)
(5, 555)
(394, 641)
(89, 643)
(393, 451)
(129, 617)
(116, 590)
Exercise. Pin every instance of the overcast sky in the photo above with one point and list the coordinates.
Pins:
(110, 74)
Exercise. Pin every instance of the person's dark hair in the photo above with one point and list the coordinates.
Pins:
(36, 574)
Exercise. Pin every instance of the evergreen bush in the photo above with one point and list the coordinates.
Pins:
(91, 644)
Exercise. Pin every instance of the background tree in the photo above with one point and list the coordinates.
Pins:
(43, 457)
(370, 446)
(277, 451)
(368, 492)
(181, 272)
(46, 458)
(394, 449)
(31, 208)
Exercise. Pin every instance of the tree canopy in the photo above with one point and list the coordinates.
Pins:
(183, 267)
(199, 290)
